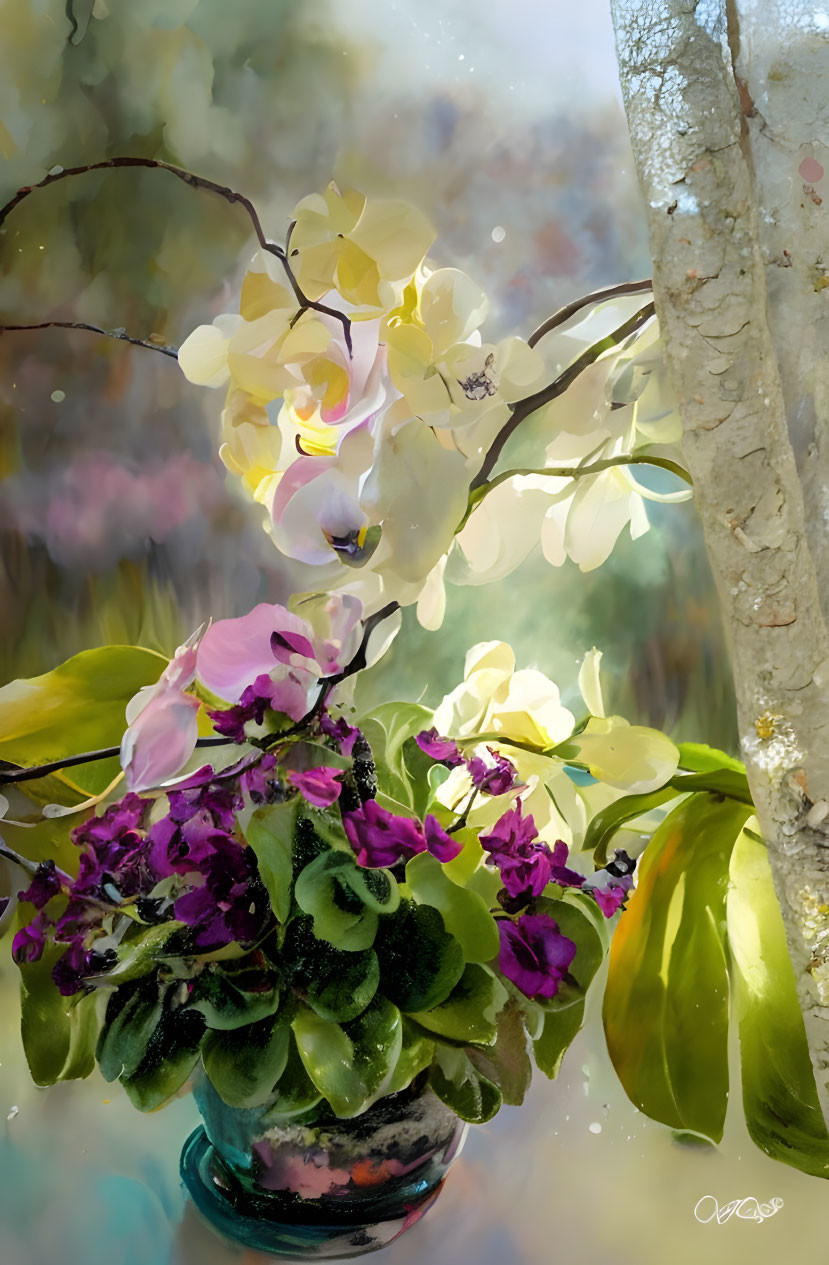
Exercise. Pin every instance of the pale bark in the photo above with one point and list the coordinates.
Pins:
(742, 330)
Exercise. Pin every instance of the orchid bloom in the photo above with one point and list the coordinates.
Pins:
(161, 719)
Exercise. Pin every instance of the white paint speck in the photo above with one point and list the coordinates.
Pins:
(12, 1113)
(499, 233)
(58, 397)
(595, 1127)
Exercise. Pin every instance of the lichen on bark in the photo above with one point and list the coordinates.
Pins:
(742, 322)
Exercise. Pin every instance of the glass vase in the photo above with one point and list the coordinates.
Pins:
(316, 1185)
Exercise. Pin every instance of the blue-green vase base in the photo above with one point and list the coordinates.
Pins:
(255, 1221)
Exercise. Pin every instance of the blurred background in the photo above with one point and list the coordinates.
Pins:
(505, 126)
(503, 122)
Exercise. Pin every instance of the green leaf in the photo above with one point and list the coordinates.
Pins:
(416, 1053)
(507, 1063)
(294, 1093)
(270, 833)
(470, 870)
(78, 706)
(728, 782)
(59, 1033)
(351, 1064)
(420, 963)
(345, 900)
(464, 912)
(699, 758)
(402, 768)
(668, 970)
(132, 1016)
(780, 1099)
(245, 1064)
(560, 1027)
(231, 1001)
(604, 825)
(142, 951)
(336, 984)
(171, 1055)
(470, 1011)
(470, 1094)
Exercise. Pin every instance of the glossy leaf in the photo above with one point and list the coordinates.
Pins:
(231, 1001)
(141, 949)
(270, 833)
(416, 1053)
(732, 783)
(559, 1028)
(605, 824)
(344, 900)
(668, 970)
(507, 1063)
(244, 1065)
(294, 1092)
(59, 1033)
(336, 984)
(350, 1064)
(420, 963)
(464, 912)
(780, 1099)
(470, 1012)
(697, 757)
(471, 1095)
(78, 706)
(132, 1015)
(171, 1055)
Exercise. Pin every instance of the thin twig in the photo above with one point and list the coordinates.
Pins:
(588, 300)
(195, 182)
(96, 329)
(523, 408)
(88, 757)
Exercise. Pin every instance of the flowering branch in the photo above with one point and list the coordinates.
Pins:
(120, 334)
(522, 409)
(588, 300)
(575, 472)
(87, 757)
(195, 182)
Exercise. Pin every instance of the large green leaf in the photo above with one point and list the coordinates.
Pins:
(402, 768)
(605, 824)
(464, 912)
(666, 1000)
(270, 833)
(699, 758)
(76, 707)
(245, 1064)
(457, 1082)
(336, 984)
(420, 963)
(507, 1062)
(59, 1033)
(351, 1064)
(416, 1053)
(345, 900)
(560, 1027)
(172, 1053)
(132, 1016)
(779, 1095)
(232, 1000)
(470, 1012)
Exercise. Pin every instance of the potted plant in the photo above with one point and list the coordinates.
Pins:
(353, 934)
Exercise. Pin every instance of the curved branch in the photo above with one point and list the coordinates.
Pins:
(120, 334)
(195, 182)
(588, 300)
(522, 409)
(88, 757)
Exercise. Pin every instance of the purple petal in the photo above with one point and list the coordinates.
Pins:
(320, 786)
(380, 838)
(444, 750)
(534, 954)
(438, 842)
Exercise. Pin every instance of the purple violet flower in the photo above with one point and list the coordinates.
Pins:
(525, 862)
(534, 954)
(320, 786)
(29, 942)
(612, 895)
(344, 735)
(380, 838)
(560, 873)
(443, 750)
(494, 779)
(44, 885)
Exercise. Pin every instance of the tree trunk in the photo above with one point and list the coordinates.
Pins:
(724, 101)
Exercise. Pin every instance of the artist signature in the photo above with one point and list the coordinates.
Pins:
(707, 1209)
